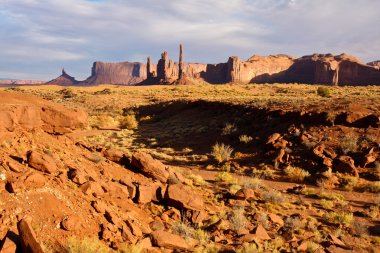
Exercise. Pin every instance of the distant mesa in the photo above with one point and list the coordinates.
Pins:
(14, 82)
(327, 69)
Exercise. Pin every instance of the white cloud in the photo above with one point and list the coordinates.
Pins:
(48, 34)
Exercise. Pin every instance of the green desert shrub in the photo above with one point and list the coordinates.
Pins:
(340, 217)
(225, 177)
(323, 92)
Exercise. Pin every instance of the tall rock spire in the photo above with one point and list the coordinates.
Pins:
(148, 68)
(180, 65)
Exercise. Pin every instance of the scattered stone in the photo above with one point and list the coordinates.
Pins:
(35, 179)
(336, 241)
(345, 164)
(10, 243)
(71, 223)
(92, 187)
(165, 239)
(302, 247)
(369, 158)
(279, 158)
(245, 194)
(198, 216)
(113, 218)
(273, 138)
(147, 193)
(77, 176)
(276, 219)
(149, 166)
(100, 207)
(15, 166)
(127, 235)
(134, 227)
(42, 162)
(297, 189)
(27, 237)
(114, 155)
(130, 187)
(182, 196)
(261, 233)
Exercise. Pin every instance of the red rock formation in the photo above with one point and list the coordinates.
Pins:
(258, 69)
(9, 82)
(329, 69)
(180, 65)
(162, 66)
(150, 72)
(375, 64)
(234, 72)
(122, 73)
(64, 80)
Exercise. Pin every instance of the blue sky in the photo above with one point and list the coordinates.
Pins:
(39, 37)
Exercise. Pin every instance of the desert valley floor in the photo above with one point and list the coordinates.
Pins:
(204, 168)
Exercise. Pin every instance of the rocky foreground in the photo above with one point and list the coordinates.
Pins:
(59, 192)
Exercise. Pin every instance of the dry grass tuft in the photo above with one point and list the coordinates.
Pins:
(221, 152)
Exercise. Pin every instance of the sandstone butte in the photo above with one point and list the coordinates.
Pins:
(328, 69)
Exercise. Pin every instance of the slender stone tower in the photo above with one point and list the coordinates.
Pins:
(148, 68)
(180, 65)
(162, 66)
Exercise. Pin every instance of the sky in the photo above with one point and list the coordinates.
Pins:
(40, 37)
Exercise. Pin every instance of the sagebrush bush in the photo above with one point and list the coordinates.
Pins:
(296, 174)
(104, 121)
(222, 152)
(237, 219)
(323, 92)
(129, 122)
(225, 177)
(273, 196)
(67, 93)
(327, 204)
(86, 245)
(348, 143)
(293, 224)
(340, 217)
(202, 236)
(245, 138)
(229, 129)
(184, 230)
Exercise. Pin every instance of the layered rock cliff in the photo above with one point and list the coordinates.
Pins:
(123, 73)
(342, 69)
(311, 69)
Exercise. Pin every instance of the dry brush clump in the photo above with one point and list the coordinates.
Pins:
(245, 138)
(221, 152)
(129, 122)
(86, 245)
(237, 219)
(345, 218)
(296, 174)
(274, 197)
(349, 143)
